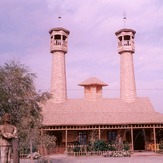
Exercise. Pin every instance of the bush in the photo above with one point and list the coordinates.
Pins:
(126, 146)
(111, 147)
(76, 143)
(100, 145)
(90, 147)
(76, 149)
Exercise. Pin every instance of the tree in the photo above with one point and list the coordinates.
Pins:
(19, 97)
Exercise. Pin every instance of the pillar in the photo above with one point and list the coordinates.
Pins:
(132, 140)
(126, 49)
(58, 48)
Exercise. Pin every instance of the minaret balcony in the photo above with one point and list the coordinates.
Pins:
(127, 48)
(55, 48)
(125, 43)
(58, 45)
(59, 42)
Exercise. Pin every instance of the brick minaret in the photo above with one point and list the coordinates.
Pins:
(126, 48)
(58, 48)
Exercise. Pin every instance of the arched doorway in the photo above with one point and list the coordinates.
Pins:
(139, 139)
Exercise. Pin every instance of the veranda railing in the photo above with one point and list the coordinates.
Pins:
(78, 150)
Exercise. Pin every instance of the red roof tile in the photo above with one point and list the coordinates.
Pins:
(93, 81)
(103, 111)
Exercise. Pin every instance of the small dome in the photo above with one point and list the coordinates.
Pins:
(93, 81)
(59, 29)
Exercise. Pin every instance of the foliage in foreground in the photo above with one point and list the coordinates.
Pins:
(19, 97)
(100, 145)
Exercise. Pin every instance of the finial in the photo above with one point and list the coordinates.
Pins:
(124, 19)
(59, 20)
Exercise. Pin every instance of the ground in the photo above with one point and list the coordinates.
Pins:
(135, 158)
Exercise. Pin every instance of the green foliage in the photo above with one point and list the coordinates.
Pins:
(76, 143)
(19, 97)
(100, 145)
(111, 147)
(48, 140)
(76, 149)
(90, 147)
(126, 146)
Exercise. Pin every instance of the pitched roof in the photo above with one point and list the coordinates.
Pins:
(103, 111)
(93, 81)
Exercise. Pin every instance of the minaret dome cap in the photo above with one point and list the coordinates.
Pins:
(125, 30)
(59, 29)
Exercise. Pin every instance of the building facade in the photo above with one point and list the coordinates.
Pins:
(72, 120)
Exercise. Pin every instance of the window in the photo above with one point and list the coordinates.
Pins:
(99, 89)
(57, 37)
(127, 37)
(120, 38)
(64, 37)
(111, 136)
(82, 137)
(87, 89)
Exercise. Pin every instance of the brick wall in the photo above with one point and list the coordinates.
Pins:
(128, 86)
(58, 77)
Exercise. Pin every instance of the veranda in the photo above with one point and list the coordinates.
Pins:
(140, 137)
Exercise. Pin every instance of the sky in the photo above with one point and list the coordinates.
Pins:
(92, 44)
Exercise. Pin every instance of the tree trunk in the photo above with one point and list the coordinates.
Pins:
(15, 147)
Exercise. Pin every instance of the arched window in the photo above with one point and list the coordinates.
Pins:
(64, 38)
(82, 137)
(57, 37)
(127, 37)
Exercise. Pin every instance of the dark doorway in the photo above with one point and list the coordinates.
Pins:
(58, 135)
(139, 139)
(159, 135)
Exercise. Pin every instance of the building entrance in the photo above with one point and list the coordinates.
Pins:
(139, 139)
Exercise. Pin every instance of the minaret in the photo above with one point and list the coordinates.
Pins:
(58, 48)
(126, 48)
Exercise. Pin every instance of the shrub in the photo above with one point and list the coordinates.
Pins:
(76, 149)
(126, 146)
(111, 147)
(100, 145)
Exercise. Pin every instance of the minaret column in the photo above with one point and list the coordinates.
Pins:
(127, 78)
(58, 80)
(58, 48)
(126, 48)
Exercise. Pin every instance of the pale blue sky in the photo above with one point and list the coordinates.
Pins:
(24, 26)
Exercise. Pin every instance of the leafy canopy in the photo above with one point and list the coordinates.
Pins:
(19, 97)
